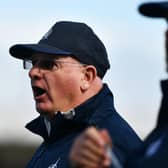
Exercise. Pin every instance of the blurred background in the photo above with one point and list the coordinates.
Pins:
(135, 46)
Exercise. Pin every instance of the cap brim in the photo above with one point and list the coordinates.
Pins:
(25, 51)
(154, 9)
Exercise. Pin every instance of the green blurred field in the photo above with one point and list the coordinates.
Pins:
(15, 155)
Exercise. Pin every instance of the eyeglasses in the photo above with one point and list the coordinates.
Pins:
(47, 64)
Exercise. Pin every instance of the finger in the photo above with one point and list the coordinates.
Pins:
(87, 149)
(107, 159)
(93, 134)
(94, 157)
(106, 137)
(93, 148)
(82, 162)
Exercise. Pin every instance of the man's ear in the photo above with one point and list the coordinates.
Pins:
(90, 73)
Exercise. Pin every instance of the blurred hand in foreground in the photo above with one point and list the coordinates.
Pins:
(89, 149)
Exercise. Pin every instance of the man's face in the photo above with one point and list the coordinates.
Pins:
(55, 85)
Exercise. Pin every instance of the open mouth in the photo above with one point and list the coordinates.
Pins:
(38, 91)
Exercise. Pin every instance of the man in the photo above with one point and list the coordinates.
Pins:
(154, 151)
(66, 71)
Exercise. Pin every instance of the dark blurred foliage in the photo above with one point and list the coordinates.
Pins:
(15, 155)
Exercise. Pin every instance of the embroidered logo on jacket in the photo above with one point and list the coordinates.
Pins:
(153, 148)
(55, 164)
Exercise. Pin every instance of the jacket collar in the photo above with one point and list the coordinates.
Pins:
(85, 114)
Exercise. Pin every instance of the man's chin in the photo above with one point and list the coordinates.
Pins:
(43, 111)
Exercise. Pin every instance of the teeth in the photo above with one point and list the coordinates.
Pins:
(38, 91)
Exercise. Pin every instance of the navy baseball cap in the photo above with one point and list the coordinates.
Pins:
(68, 38)
(154, 9)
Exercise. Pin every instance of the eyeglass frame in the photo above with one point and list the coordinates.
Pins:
(28, 64)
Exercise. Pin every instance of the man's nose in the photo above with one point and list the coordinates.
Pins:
(35, 73)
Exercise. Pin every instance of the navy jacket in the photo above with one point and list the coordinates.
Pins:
(98, 111)
(154, 151)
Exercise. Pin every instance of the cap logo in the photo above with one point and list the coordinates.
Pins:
(47, 34)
